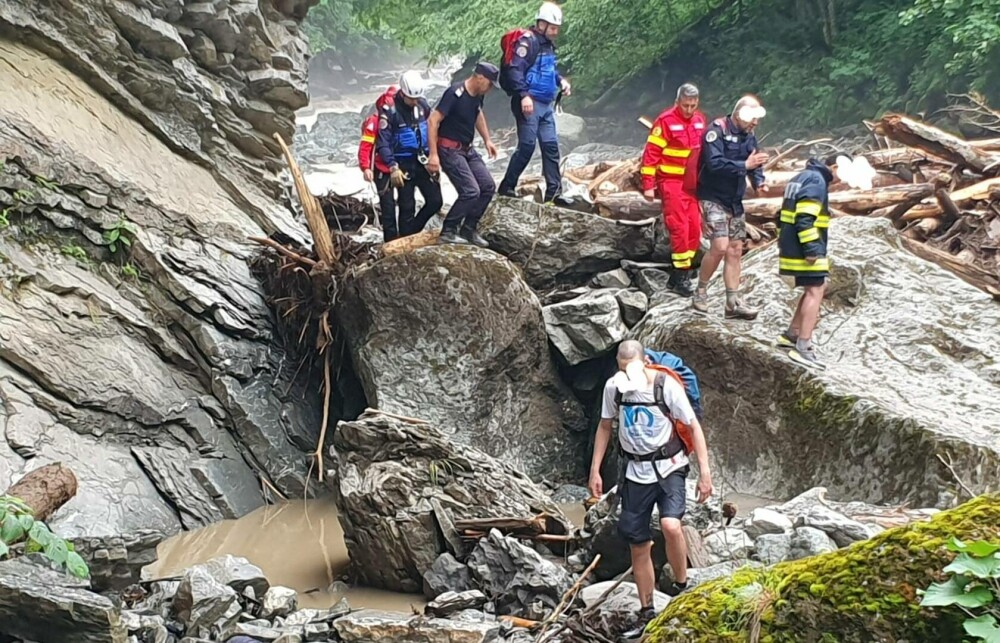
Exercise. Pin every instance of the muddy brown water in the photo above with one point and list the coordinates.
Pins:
(300, 544)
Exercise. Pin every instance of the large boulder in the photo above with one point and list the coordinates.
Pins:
(148, 369)
(585, 327)
(866, 592)
(557, 246)
(572, 131)
(453, 336)
(894, 331)
(48, 607)
(374, 625)
(400, 488)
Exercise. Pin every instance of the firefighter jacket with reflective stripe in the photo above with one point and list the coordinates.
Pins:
(672, 150)
(805, 221)
(402, 132)
(368, 159)
(722, 176)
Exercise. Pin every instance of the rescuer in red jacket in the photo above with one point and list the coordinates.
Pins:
(375, 170)
(670, 172)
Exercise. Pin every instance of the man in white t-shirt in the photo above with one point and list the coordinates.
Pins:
(645, 435)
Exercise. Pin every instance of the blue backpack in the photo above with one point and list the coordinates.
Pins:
(677, 365)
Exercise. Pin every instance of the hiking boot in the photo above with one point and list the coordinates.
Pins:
(806, 357)
(475, 238)
(507, 192)
(741, 311)
(700, 302)
(675, 588)
(786, 340)
(680, 283)
(561, 201)
(645, 615)
(450, 237)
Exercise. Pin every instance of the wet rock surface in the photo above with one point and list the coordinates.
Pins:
(907, 331)
(467, 351)
(585, 327)
(375, 625)
(402, 486)
(555, 246)
(159, 390)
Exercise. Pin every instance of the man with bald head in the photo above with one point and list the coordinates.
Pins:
(656, 429)
(730, 155)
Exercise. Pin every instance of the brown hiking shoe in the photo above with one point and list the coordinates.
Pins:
(700, 302)
(741, 311)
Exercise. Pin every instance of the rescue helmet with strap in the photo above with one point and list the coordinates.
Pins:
(412, 84)
(549, 12)
(681, 438)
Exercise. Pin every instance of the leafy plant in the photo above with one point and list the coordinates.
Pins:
(438, 469)
(130, 271)
(23, 195)
(45, 183)
(75, 251)
(5, 217)
(17, 523)
(974, 588)
(119, 235)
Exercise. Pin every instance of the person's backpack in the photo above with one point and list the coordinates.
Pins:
(689, 379)
(507, 43)
(681, 439)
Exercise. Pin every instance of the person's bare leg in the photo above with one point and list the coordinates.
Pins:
(710, 262)
(809, 310)
(673, 536)
(734, 265)
(796, 325)
(643, 572)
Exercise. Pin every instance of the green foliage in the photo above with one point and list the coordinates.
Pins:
(45, 183)
(5, 217)
(76, 252)
(129, 270)
(17, 523)
(974, 587)
(119, 235)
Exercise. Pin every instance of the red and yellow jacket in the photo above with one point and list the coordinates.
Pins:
(367, 157)
(673, 150)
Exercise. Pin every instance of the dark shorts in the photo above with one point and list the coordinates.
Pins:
(802, 282)
(638, 500)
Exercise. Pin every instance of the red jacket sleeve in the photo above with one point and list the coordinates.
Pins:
(366, 149)
(653, 153)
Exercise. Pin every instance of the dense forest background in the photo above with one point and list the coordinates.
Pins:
(817, 64)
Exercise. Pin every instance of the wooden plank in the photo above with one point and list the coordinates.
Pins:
(697, 557)
(935, 141)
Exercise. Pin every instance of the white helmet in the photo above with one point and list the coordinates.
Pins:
(412, 84)
(550, 13)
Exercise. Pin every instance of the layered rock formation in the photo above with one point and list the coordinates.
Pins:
(455, 337)
(149, 374)
(911, 384)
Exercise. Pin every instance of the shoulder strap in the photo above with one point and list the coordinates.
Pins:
(658, 383)
(723, 125)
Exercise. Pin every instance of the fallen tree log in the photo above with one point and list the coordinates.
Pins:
(865, 592)
(778, 180)
(624, 176)
(982, 191)
(850, 201)
(967, 272)
(45, 489)
(937, 142)
(627, 206)
(410, 243)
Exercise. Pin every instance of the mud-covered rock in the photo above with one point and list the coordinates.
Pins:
(453, 336)
(401, 487)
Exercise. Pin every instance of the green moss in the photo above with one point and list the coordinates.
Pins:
(865, 592)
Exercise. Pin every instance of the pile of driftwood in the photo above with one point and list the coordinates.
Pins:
(941, 191)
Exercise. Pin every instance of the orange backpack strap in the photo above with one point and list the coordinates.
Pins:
(683, 436)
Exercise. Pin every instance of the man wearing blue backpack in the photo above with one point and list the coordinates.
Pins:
(658, 431)
(529, 76)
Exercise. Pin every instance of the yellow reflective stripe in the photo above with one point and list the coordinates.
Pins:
(657, 141)
(680, 154)
(809, 234)
(672, 169)
(808, 207)
(649, 170)
(787, 217)
(682, 264)
(801, 265)
(822, 221)
(367, 139)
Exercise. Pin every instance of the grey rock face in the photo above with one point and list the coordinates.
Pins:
(203, 602)
(450, 602)
(728, 544)
(809, 541)
(374, 625)
(568, 247)
(633, 304)
(700, 575)
(238, 573)
(36, 608)
(585, 327)
(173, 423)
(841, 529)
(773, 548)
(116, 562)
(468, 353)
(873, 395)
(766, 521)
(446, 575)
(278, 601)
(652, 282)
(516, 578)
(401, 487)
(622, 602)
(616, 278)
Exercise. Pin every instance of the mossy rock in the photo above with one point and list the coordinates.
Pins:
(866, 592)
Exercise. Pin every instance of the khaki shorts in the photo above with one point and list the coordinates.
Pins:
(719, 222)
